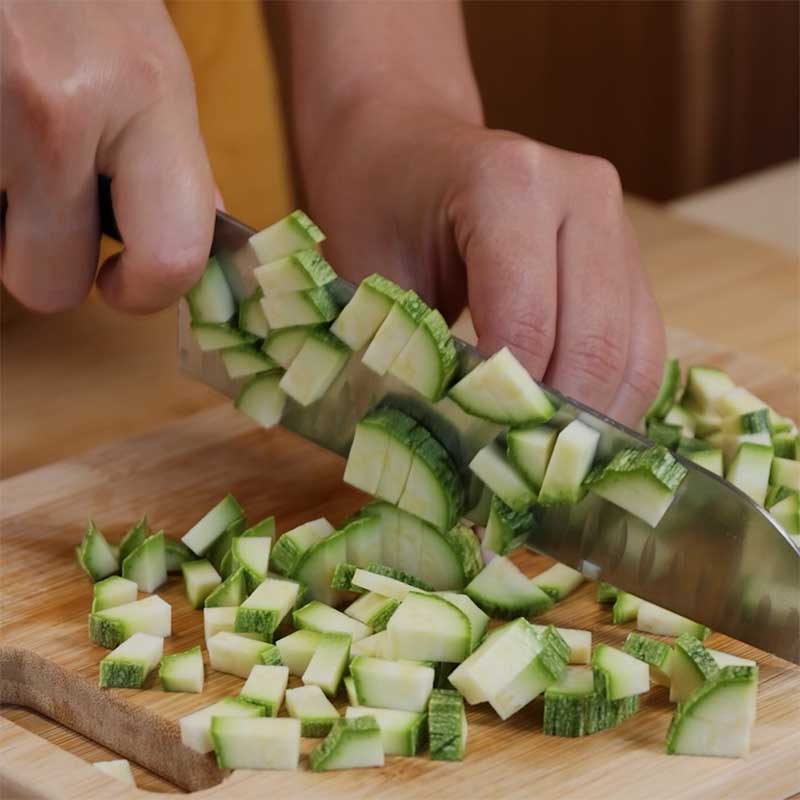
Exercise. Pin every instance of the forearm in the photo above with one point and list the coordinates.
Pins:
(399, 55)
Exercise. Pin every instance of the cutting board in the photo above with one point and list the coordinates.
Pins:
(177, 472)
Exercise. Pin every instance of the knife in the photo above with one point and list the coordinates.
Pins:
(715, 557)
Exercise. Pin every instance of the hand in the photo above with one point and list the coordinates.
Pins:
(90, 88)
(536, 239)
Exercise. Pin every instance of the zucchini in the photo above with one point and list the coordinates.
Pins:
(213, 336)
(95, 554)
(784, 444)
(787, 513)
(385, 581)
(257, 743)
(218, 618)
(182, 672)
(129, 664)
(316, 713)
(558, 581)
(310, 307)
(297, 272)
(642, 482)
(244, 360)
(404, 685)
(211, 299)
(749, 422)
(710, 459)
(133, 538)
(490, 465)
(328, 663)
(704, 386)
(447, 725)
(316, 616)
(507, 529)
(352, 696)
(664, 433)
(679, 416)
(785, 472)
(653, 619)
(196, 727)
(205, 532)
(315, 367)
(118, 768)
(290, 547)
(112, 591)
(251, 316)
(395, 332)
(176, 554)
(297, 649)
(654, 653)
(112, 626)
(667, 392)
(606, 593)
(364, 314)
(317, 565)
(199, 580)
(617, 674)
(529, 450)
(264, 610)
(402, 732)
(578, 641)
(738, 401)
(501, 390)
(351, 743)
(266, 687)
(367, 454)
(292, 233)
(626, 608)
(690, 666)
(478, 620)
(262, 399)
(219, 552)
(235, 654)
(376, 645)
(502, 591)
(283, 345)
(231, 592)
(569, 464)
(373, 609)
(465, 542)
(251, 553)
(147, 564)
(729, 660)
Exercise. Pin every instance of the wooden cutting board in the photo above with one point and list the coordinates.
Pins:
(177, 472)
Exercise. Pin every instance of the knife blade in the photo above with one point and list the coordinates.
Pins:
(715, 557)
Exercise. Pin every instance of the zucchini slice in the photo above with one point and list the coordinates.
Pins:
(211, 299)
(310, 307)
(147, 564)
(294, 232)
(558, 581)
(315, 367)
(352, 743)
(266, 686)
(395, 332)
(235, 654)
(502, 591)
(617, 674)
(328, 663)
(205, 532)
(251, 316)
(95, 554)
(262, 399)
(112, 626)
(129, 664)
(196, 727)
(257, 743)
(569, 464)
(690, 666)
(199, 580)
(447, 725)
(529, 450)
(491, 466)
(182, 672)
(297, 272)
(404, 685)
(316, 713)
(364, 314)
(297, 649)
(113, 591)
(402, 732)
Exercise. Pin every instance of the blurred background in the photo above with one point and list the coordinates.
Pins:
(683, 97)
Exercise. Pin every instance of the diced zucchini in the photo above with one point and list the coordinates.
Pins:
(716, 720)
(251, 316)
(218, 618)
(262, 398)
(196, 727)
(112, 626)
(118, 768)
(643, 482)
(626, 608)
(316, 616)
(507, 529)
(352, 743)
(204, 533)
(501, 390)
(211, 299)
(297, 272)
(129, 664)
(316, 567)
(654, 653)
(294, 232)
(309, 307)
(251, 553)
(447, 725)
(750, 422)
(182, 672)
(730, 660)
(367, 454)
(328, 663)
(429, 360)
(578, 641)
(199, 579)
(710, 459)
(176, 554)
(704, 386)
(617, 674)
(529, 450)
(785, 472)
(679, 416)
(147, 564)
(653, 619)
(266, 607)
(283, 345)
(787, 513)
(736, 402)
(569, 464)
(491, 466)
(289, 548)
(706, 422)
(320, 360)
(377, 645)
(113, 591)
(427, 627)
(297, 649)
(690, 666)
(364, 314)
(212, 336)
(664, 433)
(667, 391)
(316, 713)
(465, 542)
(373, 609)
(350, 690)
(479, 514)
(784, 444)
(231, 592)
(133, 538)
(219, 552)
(235, 654)
(478, 620)
(606, 593)
(403, 436)
(502, 591)
(257, 743)
(266, 686)
(244, 360)
(381, 580)
(404, 685)
(395, 332)
(402, 732)
(558, 581)
(95, 554)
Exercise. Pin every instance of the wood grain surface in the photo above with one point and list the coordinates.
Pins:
(175, 473)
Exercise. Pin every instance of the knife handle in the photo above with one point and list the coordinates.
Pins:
(108, 222)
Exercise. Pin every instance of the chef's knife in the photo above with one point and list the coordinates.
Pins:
(715, 557)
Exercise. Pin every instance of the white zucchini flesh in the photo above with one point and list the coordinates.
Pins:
(317, 565)
(736, 402)
(256, 743)
(294, 232)
(624, 675)
(213, 336)
(785, 472)
(310, 705)
(690, 666)
(569, 464)
(381, 584)
(377, 645)
(212, 525)
(478, 620)
(267, 606)
(147, 564)
(182, 672)
(502, 591)
(578, 641)
(366, 457)
(301, 270)
(199, 580)
(288, 551)
(704, 386)
(283, 345)
(211, 299)
(529, 450)
(328, 663)
(319, 617)
(113, 591)
(244, 360)
(112, 626)
(654, 619)
(234, 654)
(266, 686)
(222, 618)
(394, 333)
(492, 467)
(118, 768)
(317, 365)
(351, 744)
(252, 553)
(399, 729)
(140, 654)
(404, 685)
(196, 727)
(262, 398)
(364, 314)
(297, 649)
(729, 660)
(558, 581)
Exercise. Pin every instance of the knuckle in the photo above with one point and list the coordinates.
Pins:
(598, 360)
(532, 339)
(159, 72)
(178, 270)
(604, 181)
(513, 159)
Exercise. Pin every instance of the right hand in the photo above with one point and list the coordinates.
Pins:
(99, 88)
